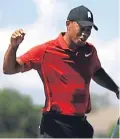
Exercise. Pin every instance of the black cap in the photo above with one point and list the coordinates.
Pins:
(83, 16)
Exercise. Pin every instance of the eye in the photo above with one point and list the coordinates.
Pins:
(82, 29)
(88, 30)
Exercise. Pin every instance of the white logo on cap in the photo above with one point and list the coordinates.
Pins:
(89, 14)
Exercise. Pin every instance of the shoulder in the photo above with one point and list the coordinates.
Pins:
(43, 46)
(52, 43)
(49, 44)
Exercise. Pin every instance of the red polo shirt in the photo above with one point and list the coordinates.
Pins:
(65, 74)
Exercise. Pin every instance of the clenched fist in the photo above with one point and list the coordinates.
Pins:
(17, 37)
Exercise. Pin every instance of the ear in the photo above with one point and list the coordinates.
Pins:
(67, 23)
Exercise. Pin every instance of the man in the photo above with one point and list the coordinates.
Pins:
(66, 66)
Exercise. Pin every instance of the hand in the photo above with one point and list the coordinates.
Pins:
(16, 38)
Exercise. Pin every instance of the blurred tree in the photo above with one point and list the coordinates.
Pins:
(99, 101)
(18, 116)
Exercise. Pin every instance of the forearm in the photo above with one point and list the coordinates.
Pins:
(9, 63)
(103, 79)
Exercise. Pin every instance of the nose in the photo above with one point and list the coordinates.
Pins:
(86, 31)
(84, 34)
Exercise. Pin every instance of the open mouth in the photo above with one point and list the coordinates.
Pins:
(82, 39)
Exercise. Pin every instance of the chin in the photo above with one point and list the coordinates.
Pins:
(81, 43)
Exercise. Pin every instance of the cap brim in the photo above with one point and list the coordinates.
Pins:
(87, 23)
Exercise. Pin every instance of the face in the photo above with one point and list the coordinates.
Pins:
(78, 34)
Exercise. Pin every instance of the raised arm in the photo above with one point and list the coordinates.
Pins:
(31, 59)
(11, 64)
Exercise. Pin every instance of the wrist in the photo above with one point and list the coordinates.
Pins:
(15, 47)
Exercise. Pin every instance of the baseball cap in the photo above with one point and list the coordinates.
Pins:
(83, 16)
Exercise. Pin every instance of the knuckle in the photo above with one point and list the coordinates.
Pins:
(13, 37)
(13, 33)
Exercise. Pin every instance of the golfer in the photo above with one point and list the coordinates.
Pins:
(66, 66)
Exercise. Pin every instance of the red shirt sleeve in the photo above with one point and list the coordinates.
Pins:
(32, 59)
(97, 64)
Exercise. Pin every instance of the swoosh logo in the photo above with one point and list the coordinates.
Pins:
(87, 55)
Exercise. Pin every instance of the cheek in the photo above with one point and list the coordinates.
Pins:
(88, 34)
(72, 31)
(76, 32)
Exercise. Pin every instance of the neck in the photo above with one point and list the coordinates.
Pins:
(70, 43)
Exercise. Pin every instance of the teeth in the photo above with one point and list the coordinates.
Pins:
(82, 39)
